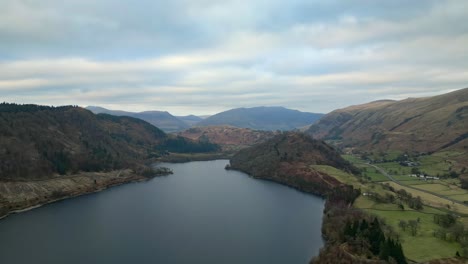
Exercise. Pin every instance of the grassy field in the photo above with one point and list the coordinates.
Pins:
(434, 187)
(450, 193)
(459, 197)
(351, 179)
(433, 200)
(414, 183)
(406, 178)
(421, 247)
(436, 164)
(424, 246)
(373, 174)
(339, 175)
(394, 168)
(429, 199)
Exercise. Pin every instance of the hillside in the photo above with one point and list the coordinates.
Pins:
(262, 118)
(415, 124)
(228, 137)
(40, 141)
(310, 165)
(163, 120)
(288, 158)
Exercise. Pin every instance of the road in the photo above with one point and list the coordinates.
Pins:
(390, 177)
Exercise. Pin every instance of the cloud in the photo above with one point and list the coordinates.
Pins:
(206, 56)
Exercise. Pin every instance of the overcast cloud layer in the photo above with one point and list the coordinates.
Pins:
(207, 56)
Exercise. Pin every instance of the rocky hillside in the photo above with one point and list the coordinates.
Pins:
(40, 142)
(228, 137)
(415, 124)
(161, 119)
(286, 158)
(262, 118)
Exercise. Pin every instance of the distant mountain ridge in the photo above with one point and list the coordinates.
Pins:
(190, 120)
(415, 124)
(262, 118)
(161, 119)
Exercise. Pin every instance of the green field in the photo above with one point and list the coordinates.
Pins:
(433, 187)
(436, 164)
(394, 168)
(339, 175)
(414, 183)
(353, 159)
(422, 247)
(451, 192)
(351, 179)
(459, 197)
(406, 178)
(373, 174)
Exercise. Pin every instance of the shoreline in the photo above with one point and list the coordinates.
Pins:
(77, 193)
(183, 158)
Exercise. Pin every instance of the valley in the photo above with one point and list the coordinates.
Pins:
(411, 192)
(233, 132)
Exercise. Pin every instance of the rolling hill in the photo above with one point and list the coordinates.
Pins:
(163, 120)
(427, 124)
(262, 118)
(287, 158)
(41, 141)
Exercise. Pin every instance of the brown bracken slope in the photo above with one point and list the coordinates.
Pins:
(286, 158)
(415, 124)
(228, 137)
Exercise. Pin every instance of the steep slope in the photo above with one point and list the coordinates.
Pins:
(286, 158)
(160, 119)
(228, 137)
(40, 141)
(262, 118)
(414, 124)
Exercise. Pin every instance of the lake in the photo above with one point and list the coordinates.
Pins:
(200, 214)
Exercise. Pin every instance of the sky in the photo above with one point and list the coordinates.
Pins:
(206, 56)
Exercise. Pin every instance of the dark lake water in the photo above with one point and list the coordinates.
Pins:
(200, 214)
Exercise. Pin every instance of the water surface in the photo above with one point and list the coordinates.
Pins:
(200, 214)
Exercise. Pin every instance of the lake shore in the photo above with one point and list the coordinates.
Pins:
(22, 196)
(188, 157)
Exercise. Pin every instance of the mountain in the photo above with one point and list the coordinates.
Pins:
(427, 124)
(190, 120)
(262, 118)
(160, 119)
(288, 158)
(41, 141)
(228, 137)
